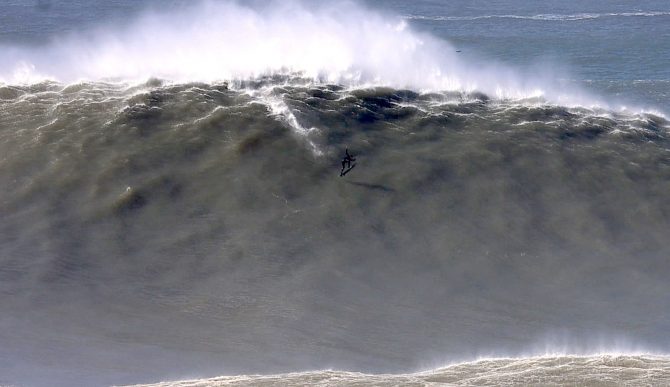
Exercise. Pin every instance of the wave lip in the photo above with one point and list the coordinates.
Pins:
(545, 370)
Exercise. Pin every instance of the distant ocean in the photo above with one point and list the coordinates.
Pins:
(172, 209)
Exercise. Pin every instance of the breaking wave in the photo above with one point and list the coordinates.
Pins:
(605, 370)
(345, 44)
(172, 206)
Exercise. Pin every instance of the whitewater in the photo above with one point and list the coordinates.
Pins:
(603, 370)
(226, 41)
(172, 211)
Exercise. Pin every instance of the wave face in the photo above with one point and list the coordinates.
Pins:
(207, 223)
(195, 224)
(545, 371)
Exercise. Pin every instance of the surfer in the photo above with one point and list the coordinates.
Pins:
(346, 163)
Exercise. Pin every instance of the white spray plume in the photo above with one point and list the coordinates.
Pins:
(211, 41)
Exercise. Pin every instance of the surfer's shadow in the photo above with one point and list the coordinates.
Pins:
(371, 186)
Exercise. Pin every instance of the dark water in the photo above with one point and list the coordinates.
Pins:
(170, 229)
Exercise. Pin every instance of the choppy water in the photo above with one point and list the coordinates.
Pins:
(172, 207)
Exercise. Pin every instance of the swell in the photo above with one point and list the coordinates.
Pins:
(545, 17)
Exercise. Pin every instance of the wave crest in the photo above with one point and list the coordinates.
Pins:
(345, 44)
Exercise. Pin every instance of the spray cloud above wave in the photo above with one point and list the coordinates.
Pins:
(342, 43)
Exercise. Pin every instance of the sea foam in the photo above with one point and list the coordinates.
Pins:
(346, 44)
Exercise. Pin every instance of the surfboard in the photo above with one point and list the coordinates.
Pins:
(347, 170)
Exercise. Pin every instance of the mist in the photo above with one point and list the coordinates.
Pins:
(342, 43)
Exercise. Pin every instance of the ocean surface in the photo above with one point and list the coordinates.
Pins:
(172, 210)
